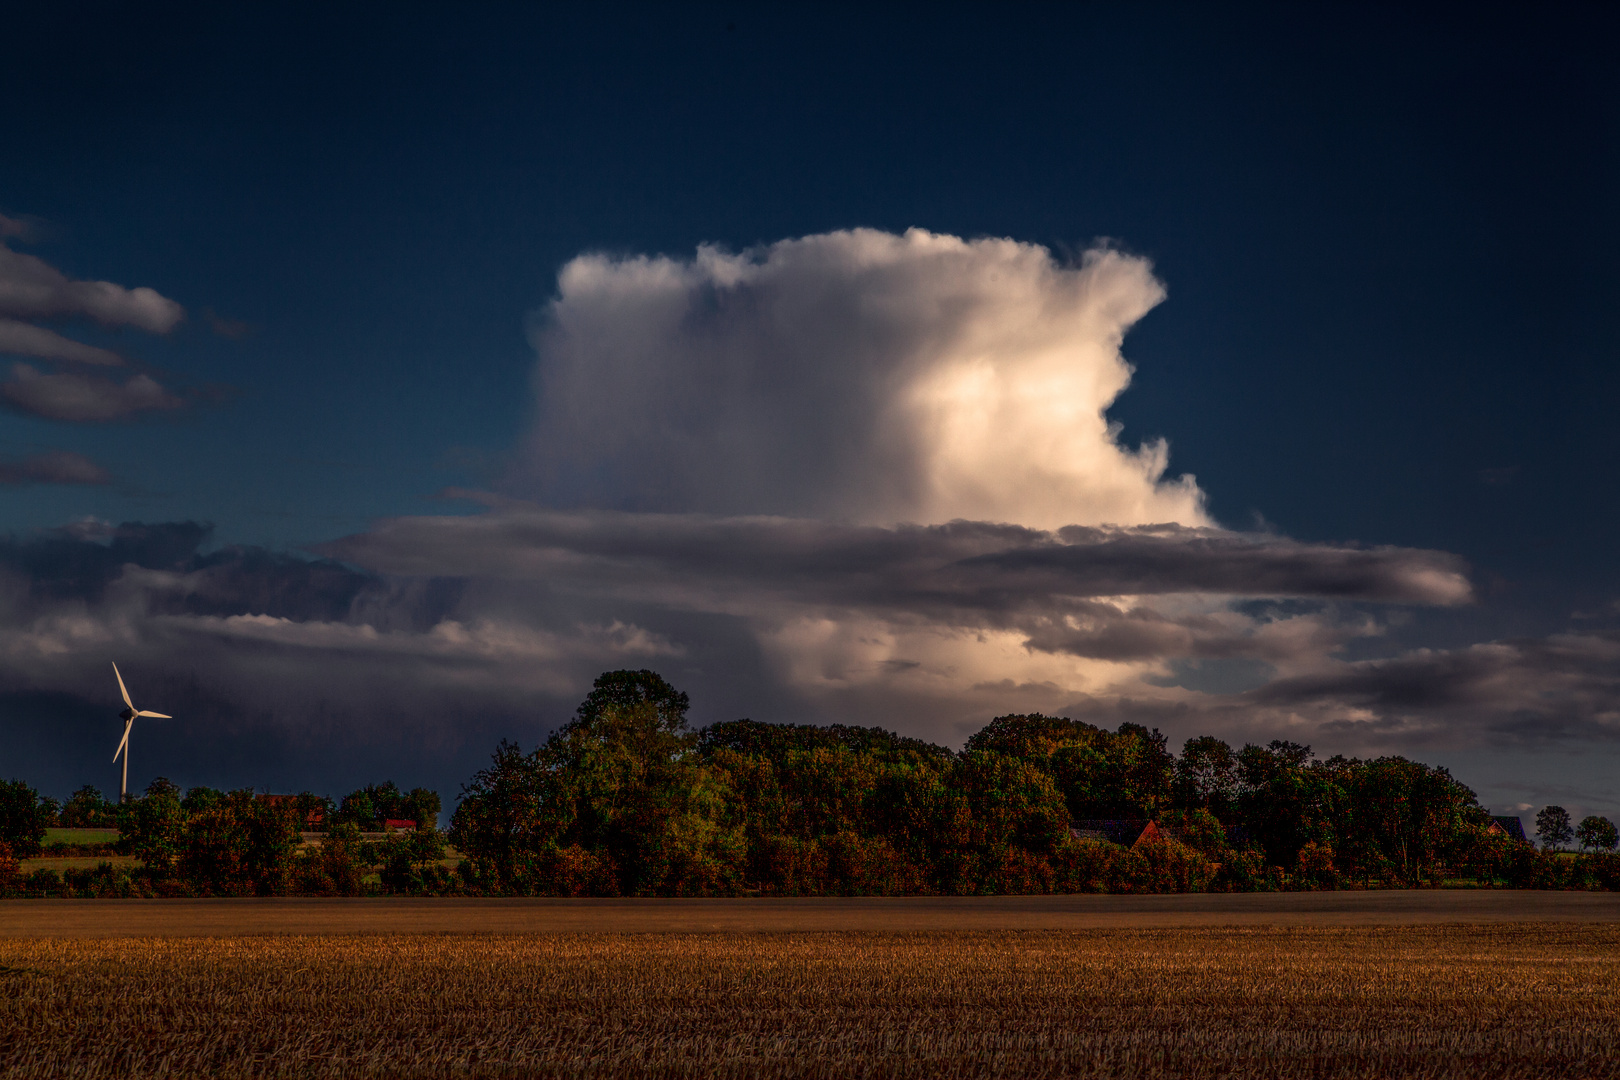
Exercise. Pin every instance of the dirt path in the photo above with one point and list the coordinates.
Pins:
(186, 918)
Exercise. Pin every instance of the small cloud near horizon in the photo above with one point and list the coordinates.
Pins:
(53, 467)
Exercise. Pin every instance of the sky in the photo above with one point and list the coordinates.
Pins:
(374, 376)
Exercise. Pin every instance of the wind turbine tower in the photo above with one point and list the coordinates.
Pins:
(128, 716)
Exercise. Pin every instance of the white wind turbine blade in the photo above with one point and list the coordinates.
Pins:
(122, 689)
(158, 715)
(123, 744)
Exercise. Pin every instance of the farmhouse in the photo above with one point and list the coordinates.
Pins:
(313, 819)
(398, 825)
(1126, 832)
(1510, 827)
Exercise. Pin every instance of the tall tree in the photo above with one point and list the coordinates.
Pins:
(86, 808)
(1206, 775)
(627, 690)
(1597, 833)
(1408, 818)
(501, 822)
(1286, 800)
(22, 818)
(1553, 827)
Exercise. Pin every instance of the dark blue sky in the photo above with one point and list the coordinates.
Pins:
(1387, 237)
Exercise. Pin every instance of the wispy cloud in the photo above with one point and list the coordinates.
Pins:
(53, 467)
(25, 339)
(14, 228)
(31, 291)
(31, 288)
(67, 395)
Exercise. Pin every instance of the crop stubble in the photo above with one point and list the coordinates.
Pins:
(1497, 1001)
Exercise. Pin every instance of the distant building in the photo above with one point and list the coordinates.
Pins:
(398, 825)
(313, 820)
(1126, 832)
(1510, 827)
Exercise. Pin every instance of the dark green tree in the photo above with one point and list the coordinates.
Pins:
(22, 818)
(334, 866)
(1403, 819)
(151, 827)
(410, 862)
(422, 806)
(1013, 808)
(1597, 833)
(625, 783)
(87, 808)
(1553, 827)
(503, 820)
(1206, 776)
(240, 845)
(626, 691)
(1285, 800)
(1031, 736)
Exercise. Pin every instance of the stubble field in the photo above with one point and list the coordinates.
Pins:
(1457, 1001)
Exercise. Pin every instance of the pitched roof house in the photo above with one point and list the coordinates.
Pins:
(399, 825)
(1510, 827)
(1126, 832)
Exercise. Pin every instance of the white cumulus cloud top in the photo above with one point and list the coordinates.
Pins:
(856, 375)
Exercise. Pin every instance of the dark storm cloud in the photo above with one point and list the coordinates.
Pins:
(423, 623)
(245, 636)
(83, 561)
(1116, 594)
(1517, 691)
(927, 569)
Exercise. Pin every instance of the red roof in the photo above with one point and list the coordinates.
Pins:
(398, 823)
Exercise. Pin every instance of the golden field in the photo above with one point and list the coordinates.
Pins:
(1465, 1002)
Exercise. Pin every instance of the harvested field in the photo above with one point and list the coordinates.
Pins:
(80, 836)
(1476, 1001)
(78, 862)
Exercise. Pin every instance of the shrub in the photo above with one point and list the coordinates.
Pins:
(1199, 830)
(1171, 866)
(335, 866)
(1246, 871)
(574, 871)
(1314, 867)
(408, 861)
(10, 869)
(1023, 873)
(43, 880)
(1090, 866)
(859, 865)
(787, 865)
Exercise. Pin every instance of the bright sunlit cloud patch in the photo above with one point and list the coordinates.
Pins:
(857, 376)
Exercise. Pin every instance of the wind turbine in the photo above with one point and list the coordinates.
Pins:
(128, 716)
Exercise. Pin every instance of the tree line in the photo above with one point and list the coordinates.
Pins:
(206, 842)
(627, 800)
